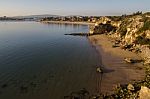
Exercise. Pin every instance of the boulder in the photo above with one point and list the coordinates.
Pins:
(130, 87)
(129, 60)
(99, 70)
(144, 93)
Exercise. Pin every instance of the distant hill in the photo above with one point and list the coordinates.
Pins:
(37, 16)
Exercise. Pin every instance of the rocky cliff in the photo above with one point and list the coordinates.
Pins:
(132, 31)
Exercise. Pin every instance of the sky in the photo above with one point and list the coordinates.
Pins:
(72, 7)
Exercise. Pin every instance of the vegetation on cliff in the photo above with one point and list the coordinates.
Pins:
(142, 40)
(123, 27)
(146, 25)
(104, 28)
(133, 33)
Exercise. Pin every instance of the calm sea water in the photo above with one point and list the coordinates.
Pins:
(37, 61)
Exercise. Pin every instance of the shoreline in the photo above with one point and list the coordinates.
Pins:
(116, 70)
(67, 22)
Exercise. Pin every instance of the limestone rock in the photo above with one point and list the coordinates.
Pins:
(129, 60)
(146, 54)
(144, 93)
(130, 87)
(103, 20)
(98, 69)
(147, 33)
(133, 26)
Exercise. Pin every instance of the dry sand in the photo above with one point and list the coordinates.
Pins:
(116, 70)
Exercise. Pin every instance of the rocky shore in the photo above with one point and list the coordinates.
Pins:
(127, 37)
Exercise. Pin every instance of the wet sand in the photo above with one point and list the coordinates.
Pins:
(116, 70)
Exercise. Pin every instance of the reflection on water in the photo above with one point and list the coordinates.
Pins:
(37, 61)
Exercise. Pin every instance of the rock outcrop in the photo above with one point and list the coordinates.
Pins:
(146, 54)
(132, 31)
(144, 93)
(130, 87)
(104, 25)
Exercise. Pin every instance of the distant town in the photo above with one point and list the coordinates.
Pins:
(5, 18)
(92, 19)
(53, 18)
(47, 17)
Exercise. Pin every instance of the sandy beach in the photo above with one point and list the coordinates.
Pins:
(116, 70)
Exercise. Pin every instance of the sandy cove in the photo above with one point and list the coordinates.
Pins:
(116, 70)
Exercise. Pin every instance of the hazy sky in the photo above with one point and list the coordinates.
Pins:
(72, 7)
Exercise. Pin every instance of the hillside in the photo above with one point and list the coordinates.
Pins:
(132, 33)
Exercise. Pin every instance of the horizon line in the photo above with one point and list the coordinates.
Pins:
(112, 14)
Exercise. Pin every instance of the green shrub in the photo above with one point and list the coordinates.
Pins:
(137, 13)
(123, 31)
(147, 13)
(142, 40)
(104, 28)
(146, 25)
(123, 27)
